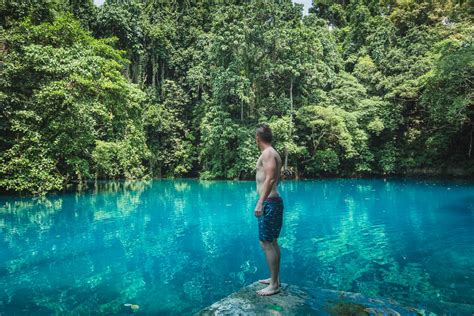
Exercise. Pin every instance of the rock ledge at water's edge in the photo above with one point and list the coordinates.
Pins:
(293, 300)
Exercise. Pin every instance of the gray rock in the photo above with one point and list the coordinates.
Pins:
(293, 300)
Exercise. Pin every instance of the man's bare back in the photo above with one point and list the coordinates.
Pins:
(268, 154)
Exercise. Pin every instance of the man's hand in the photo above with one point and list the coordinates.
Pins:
(258, 209)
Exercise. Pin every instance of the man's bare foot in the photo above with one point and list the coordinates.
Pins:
(267, 281)
(269, 290)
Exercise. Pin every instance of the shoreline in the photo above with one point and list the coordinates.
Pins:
(88, 185)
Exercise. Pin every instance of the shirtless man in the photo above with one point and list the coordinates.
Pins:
(269, 209)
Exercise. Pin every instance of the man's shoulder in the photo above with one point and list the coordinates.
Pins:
(270, 152)
(276, 153)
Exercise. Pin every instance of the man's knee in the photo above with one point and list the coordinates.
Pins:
(266, 244)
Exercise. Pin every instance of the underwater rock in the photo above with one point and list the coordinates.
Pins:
(133, 307)
(293, 300)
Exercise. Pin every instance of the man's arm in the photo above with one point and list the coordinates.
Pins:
(269, 168)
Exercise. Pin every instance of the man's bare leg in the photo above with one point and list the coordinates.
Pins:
(267, 281)
(273, 261)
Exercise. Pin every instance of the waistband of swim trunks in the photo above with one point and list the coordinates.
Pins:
(274, 199)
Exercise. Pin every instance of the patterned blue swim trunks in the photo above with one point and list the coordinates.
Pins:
(269, 223)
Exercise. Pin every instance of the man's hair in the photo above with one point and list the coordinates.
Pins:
(264, 133)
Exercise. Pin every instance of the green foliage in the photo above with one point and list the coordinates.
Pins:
(63, 90)
(219, 140)
(333, 130)
(448, 96)
(246, 154)
(284, 136)
(169, 138)
(123, 158)
(140, 88)
(324, 162)
(28, 167)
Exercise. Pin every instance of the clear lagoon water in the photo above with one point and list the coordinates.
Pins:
(176, 246)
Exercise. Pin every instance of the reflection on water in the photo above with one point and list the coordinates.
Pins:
(175, 246)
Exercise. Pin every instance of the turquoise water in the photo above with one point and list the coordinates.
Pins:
(176, 246)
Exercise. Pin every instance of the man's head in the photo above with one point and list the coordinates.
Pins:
(263, 134)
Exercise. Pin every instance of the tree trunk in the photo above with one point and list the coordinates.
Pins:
(291, 106)
(291, 122)
(162, 72)
(470, 140)
(291, 98)
(128, 69)
(140, 72)
(153, 71)
(257, 89)
(135, 63)
(253, 104)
